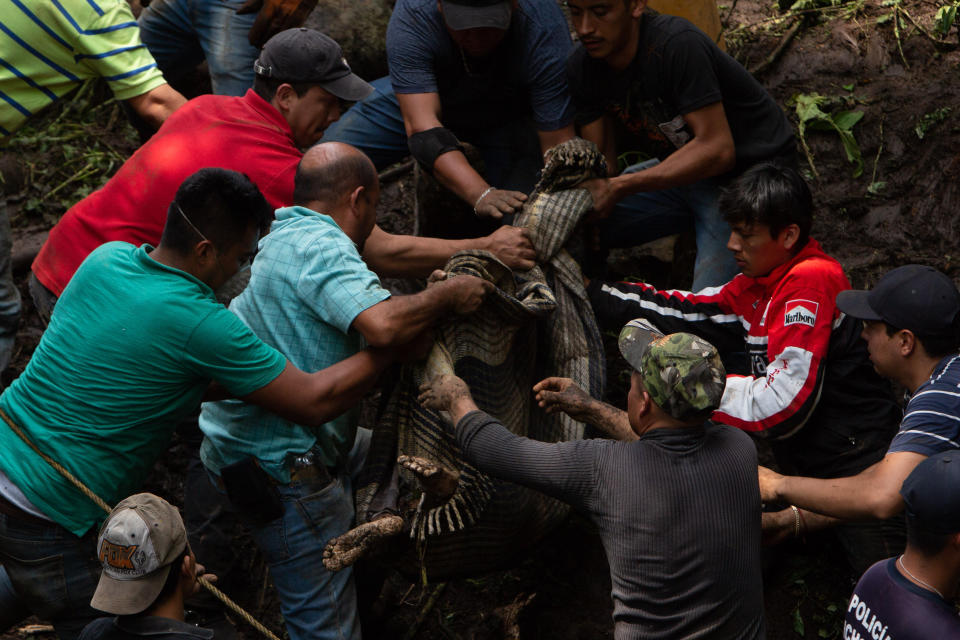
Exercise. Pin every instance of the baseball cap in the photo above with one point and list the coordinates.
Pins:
(139, 540)
(931, 493)
(477, 14)
(914, 297)
(682, 372)
(307, 56)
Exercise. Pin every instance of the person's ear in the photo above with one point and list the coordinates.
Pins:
(789, 236)
(285, 97)
(646, 403)
(204, 253)
(637, 7)
(906, 342)
(356, 198)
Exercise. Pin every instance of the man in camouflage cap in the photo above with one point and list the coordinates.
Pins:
(677, 508)
(682, 373)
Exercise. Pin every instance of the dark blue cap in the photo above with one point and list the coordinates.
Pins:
(931, 494)
(914, 297)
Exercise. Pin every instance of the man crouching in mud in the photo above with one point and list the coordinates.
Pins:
(677, 509)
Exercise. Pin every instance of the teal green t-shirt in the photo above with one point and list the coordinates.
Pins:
(130, 350)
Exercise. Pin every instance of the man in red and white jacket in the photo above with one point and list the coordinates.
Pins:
(810, 387)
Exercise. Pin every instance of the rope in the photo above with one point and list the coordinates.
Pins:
(100, 502)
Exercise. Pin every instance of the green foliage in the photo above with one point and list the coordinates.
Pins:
(930, 120)
(69, 151)
(945, 18)
(811, 115)
(798, 626)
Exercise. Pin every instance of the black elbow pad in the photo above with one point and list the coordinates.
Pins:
(427, 146)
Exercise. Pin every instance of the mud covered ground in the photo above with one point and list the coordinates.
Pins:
(900, 209)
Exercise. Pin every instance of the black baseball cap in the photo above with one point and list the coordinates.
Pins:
(306, 56)
(477, 14)
(914, 297)
(931, 494)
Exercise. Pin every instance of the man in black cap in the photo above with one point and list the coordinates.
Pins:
(489, 72)
(300, 82)
(912, 596)
(910, 324)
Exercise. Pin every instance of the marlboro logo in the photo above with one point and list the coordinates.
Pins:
(800, 312)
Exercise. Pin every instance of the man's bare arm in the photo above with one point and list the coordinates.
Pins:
(311, 399)
(872, 493)
(402, 256)
(156, 105)
(550, 139)
(421, 112)
(562, 394)
(399, 319)
(710, 153)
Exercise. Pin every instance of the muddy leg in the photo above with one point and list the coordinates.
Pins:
(438, 483)
(344, 550)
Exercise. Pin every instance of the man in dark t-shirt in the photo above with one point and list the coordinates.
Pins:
(675, 508)
(911, 597)
(651, 86)
(488, 72)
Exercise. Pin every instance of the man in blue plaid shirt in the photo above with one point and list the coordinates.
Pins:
(313, 298)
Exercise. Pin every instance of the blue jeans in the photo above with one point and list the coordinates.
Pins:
(53, 572)
(643, 217)
(9, 294)
(511, 153)
(182, 33)
(316, 604)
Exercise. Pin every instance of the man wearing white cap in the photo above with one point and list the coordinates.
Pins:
(148, 571)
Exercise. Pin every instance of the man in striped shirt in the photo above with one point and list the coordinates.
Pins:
(48, 49)
(911, 322)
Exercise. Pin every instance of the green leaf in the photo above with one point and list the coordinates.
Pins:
(798, 623)
(823, 633)
(852, 150)
(885, 18)
(849, 87)
(946, 15)
(846, 119)
(875, 189)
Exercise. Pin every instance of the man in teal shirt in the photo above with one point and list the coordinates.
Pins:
(136, 341)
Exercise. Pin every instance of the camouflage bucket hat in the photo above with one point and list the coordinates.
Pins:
(681, 372)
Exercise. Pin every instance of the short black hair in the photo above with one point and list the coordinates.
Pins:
(266, 87)
(769, 193)
(926, 542)
(341, 175)
(935, 346)
(221, 204)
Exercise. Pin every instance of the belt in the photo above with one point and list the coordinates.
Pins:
(9, 509)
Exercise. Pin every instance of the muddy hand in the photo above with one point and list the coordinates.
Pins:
(602, 193)
(343, 551)
(467, 293)
(512, 246)
(562, 394)
(497, 202)
(441, 392)
(438, 482)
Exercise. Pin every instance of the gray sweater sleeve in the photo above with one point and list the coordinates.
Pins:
(567, 471)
